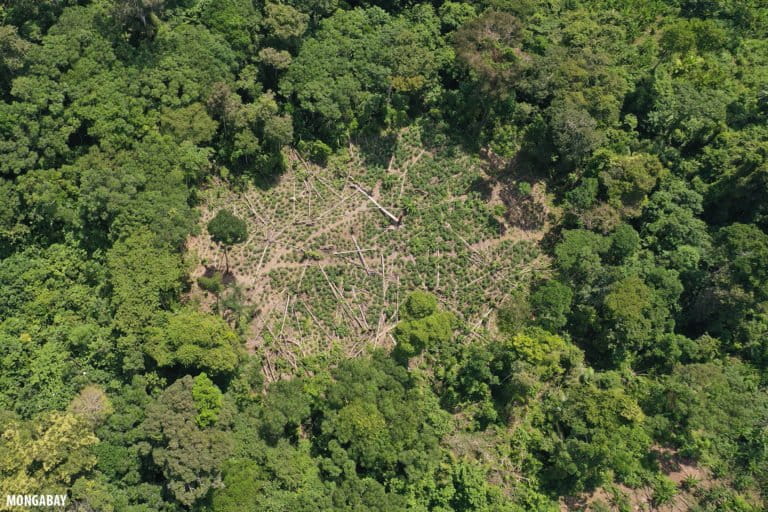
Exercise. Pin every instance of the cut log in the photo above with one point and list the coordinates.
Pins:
(317, 322)
(392, 217)
(338, 253)
(383, 279)
(309, 170)
(360, 255)
(253, 210)
(340, 298)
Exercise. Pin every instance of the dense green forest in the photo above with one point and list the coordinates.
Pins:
(384, 255)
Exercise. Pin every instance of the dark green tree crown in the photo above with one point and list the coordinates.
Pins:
(228, 229)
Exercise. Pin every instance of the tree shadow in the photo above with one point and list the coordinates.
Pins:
(524, 210)
(265, 181)
(376, 150)
(668, 460)
(262, 175)
(575, 502)
(482, 187)
(227, 277)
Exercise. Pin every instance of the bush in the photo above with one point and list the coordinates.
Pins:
(316, 151)
(213, 284)
(664, 491)
(419, 304)
(423, 326)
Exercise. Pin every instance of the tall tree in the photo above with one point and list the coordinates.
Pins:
(227, 229)
(189, 455)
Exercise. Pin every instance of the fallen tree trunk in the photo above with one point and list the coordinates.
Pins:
(392, 217)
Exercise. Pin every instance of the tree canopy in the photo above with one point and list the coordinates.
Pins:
(565, 299)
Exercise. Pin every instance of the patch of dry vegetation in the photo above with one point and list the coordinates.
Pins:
(333, 250)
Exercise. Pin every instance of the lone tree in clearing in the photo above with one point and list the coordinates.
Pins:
(227, 229)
